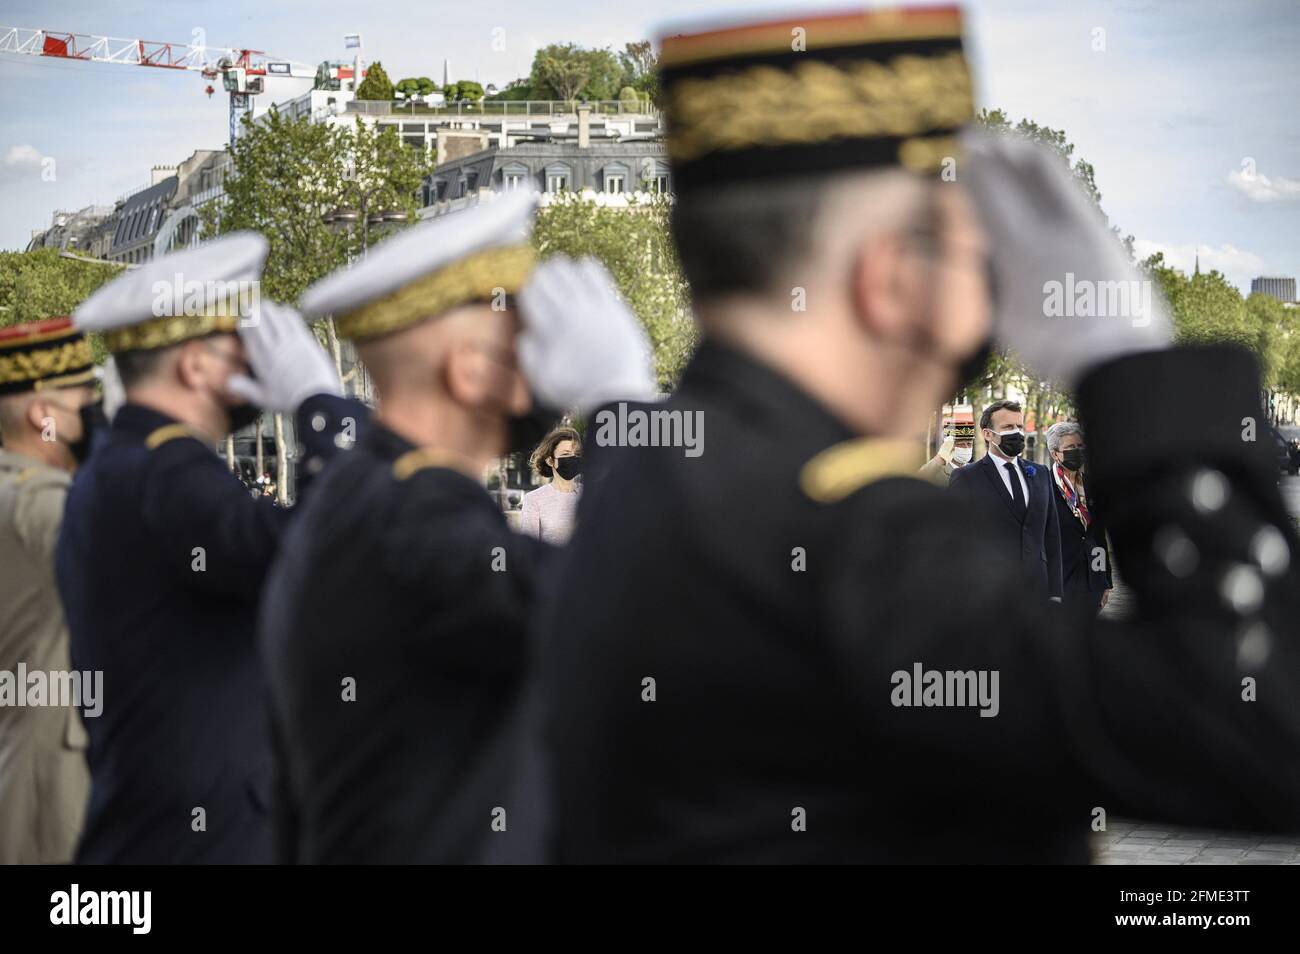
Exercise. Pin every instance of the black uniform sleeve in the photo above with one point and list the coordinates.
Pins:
(326, 425)
(217, 538)
(1199, 695)
(214, 537)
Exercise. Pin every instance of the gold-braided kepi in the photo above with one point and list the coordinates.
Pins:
(189, 294)
(44, 354)
(814, 94)
(476, 254)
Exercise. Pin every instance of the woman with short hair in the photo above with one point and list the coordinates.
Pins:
(549, 510)
(1085, 561)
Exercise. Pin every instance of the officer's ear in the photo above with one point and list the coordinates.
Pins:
(191, 364)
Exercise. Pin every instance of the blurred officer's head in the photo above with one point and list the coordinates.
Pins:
(816, 213)
(47, 425)
(190, 381)
(864, 285)
(453, 379)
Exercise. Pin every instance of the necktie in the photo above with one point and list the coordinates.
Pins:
(1017, 495)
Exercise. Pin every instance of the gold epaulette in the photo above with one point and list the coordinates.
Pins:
(23, 474)
(170, 432)
(844, 468)
(427, 458)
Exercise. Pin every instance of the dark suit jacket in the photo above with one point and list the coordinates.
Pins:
(414, 587)
(1078, 546)
(160, 563)
(1035, 541)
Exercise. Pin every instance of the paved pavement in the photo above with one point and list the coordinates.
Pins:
(1128, 842)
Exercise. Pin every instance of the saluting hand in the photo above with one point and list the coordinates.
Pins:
(1067, 297)
(581, 345)
(288, 363)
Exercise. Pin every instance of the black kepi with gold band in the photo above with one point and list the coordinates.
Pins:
(43, 355)
(477, 254)
(814, 94)
(207, 290)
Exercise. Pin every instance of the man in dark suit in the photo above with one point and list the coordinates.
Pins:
(162, 554)
(1017, 497)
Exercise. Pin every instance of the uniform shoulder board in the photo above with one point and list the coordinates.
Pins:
(171, 432)
(844, 468)
(426, 458)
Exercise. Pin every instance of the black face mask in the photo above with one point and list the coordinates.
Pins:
(1011, 444)
(525, 431)
(93, 420)
(568, 467)
(242, 416)
(1073, 458)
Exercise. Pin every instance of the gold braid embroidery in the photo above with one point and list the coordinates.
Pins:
(817, 101)
(34, 365)
(162, 332)
(473, 278)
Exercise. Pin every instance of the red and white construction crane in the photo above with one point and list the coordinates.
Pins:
(244, 73)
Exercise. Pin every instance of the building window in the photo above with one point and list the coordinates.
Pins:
(558, 178)
(513, 176)
(615, 177)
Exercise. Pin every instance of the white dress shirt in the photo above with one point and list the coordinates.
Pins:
(1006, 477)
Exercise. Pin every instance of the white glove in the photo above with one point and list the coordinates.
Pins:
(946, 449)
(581, 346)
(289, 363)
(1049, 246)
(112, 390)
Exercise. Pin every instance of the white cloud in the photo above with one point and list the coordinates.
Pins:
(1261, 188)
(21, 164)
(1238, 265)
(22, 157)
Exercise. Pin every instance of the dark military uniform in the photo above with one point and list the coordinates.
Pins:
(775, 588)
(394, 637)
(160, 566)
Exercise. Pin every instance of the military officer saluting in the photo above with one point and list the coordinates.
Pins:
(47, 405)
(742, 656)
(955, 451)
(395, 621)
(163, 553)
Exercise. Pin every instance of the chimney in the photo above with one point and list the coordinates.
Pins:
(584, 124)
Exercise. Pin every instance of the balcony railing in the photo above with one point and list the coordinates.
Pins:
(522, 107)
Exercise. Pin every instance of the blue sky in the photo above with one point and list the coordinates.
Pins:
(1184, 97)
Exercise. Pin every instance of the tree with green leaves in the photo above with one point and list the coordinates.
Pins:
(44, 284)
(567, 71)
(641, 68)
(469, 91)
(376, 85)
(560, 71)
(634, 244)
(412, 87)
(288, 175)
